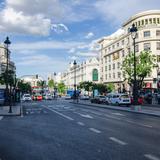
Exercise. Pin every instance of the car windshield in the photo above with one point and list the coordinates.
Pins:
(125, 96)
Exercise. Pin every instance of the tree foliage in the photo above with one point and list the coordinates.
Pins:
(51, 84)
(145, 62)
(4, 78)
(24, 87)
(61, 87)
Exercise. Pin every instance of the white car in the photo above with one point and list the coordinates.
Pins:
(26, 97)
(118, 99)
(68, 96)
(84, 97)
(48, 97)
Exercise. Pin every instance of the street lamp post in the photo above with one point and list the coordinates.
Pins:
(7, 42)
(74, 64)
(133, 31)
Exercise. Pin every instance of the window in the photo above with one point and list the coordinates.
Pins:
(109, 48)
(158, 58)
(158, 45)
(95, 75)
(123, 54)
(105, 68)
(105, 50)
(146, 21)
(154, 20)
(139, 23)
(150, 21)
(109, 67)
(118, 65)
(109, 75)
(142, 22)
(122, 42)
(119, 74)
(113, 65)
(157, 32)
(147, 46)
(113, 47)
(106, 76)
(117, 44)
(146, 33)
(114, 76)
(137, 48)
(158, 21)
(105, 59)
(109, 58)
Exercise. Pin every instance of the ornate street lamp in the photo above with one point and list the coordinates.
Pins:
(75, 64)
(7, 42)
(133, 31)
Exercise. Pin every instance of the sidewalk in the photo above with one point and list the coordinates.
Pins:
(16, 111)
(147, 110)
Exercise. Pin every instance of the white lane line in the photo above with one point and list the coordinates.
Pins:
(95, 130)
(117, 141)
(108, 116)
(67, 117)
(96, 113)
(139, 124)
(118, 114)
(81, 123)
(84, 115)
(151, 157)
(1, 117)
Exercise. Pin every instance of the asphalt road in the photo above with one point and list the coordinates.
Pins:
(59, 130)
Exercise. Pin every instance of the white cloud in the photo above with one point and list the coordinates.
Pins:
(120, 11)
(39, 45)
(86, 54)
(59, 28)
(89, 35)
(73, 57)
(72, 50)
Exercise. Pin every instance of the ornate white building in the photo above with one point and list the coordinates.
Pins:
(115, 47)
(3, 60)
(86, 71)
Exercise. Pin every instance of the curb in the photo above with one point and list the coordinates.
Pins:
(111, 108)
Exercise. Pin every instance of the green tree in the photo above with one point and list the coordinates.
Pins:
(86, 85)
(24, 87)
(145, 62)
(51, 84)
(4, 78)
(110, 87)
(102, 88)
(61, 88)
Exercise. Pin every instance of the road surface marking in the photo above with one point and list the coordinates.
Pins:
(96, 113)
(80, 123)
(112, 117)
(67, 117)
(1, 117)
(151, 157)
(95, 130)
(118, 114)
(133, 122)
(117, 141)
(84, 115)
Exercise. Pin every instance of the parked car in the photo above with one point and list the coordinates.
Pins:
(84, 97)
(119, 99)
(98, 99)
(26, 97)
(68, 96)
(48, 97)
(37, 97)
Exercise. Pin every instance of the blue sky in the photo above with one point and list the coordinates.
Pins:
(47, 35)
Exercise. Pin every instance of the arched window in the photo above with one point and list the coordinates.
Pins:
(95, 75)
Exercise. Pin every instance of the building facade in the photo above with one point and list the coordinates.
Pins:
(3, 60)
(115, 47)
(86, 71)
